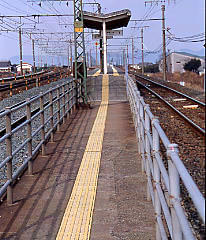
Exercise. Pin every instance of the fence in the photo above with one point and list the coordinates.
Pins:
(163, 175)
(20, 144)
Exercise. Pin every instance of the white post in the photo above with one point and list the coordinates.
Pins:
(156, 147)
(174, 179)
(105, 46)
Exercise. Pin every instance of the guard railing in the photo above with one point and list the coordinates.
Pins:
(20, 145)
(163, 175)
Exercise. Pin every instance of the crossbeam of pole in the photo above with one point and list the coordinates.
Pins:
(36, 15)
(143, 20)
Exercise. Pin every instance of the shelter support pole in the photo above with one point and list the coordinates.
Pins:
(105, 47)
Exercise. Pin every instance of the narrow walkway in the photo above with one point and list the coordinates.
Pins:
(65, 198)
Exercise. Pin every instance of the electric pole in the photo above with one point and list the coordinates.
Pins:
(163, 36)
(90, 54)
(33, 50)
(127, 58)
(142, 51)
(20, 46)
(164, 44)
(96, 53)
(142, 43)
(88, 60)
(132, 51)
(71, 56)
(68, 56)
(123, 58)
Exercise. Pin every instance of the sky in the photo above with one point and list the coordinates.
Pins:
(184, 18)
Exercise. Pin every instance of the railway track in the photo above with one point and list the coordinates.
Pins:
(11, 85)
(190, 109)
(167, 105)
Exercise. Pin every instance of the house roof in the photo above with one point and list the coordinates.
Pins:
(190, 55)
(24, 64)
(5, 64)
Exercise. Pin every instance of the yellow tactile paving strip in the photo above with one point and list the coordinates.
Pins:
(96, 73)
(115, 73)
(77, 219)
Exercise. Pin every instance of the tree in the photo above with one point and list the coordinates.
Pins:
(192, 65)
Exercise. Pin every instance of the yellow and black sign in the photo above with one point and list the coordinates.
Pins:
(78, 26)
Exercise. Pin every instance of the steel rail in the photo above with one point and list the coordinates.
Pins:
(22, 83)
(7, 79)
(163, 186)
(194, 125)
(168, 88)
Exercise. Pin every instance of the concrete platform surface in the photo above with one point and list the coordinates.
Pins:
(121, 210)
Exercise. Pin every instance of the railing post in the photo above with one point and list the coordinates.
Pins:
(138, 120)
(174, 183)
(51, 114)
(68, 97)
(58, 109)
(26, 82)
(37, 84)
(63, 109)
(74, 96)
(29, 136)
(10, 91)
(142, 143)
(156, 146)
(9, 154)
(77, 86)
(147, 150)
(42, 124)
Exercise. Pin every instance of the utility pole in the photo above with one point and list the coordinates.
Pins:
(164, 44)
(34, 61)
(20, 46)
(71, 56)
(142, 51)
(127, 57)
(132, 51)
(123, 60)
(142, 44)
(163, 36)
(96, 53)
(90, 54)
(68, 56)
(88, 61)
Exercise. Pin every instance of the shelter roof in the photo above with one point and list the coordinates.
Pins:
(113, 20)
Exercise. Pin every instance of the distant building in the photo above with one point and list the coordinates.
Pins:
(176, 61)
(27, 68)
(5, 66)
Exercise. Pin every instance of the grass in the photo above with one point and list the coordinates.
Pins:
(191, 79)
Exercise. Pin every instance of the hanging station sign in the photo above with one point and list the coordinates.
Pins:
(96, 36)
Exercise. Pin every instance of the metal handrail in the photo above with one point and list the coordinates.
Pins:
(163, 185)
(40, 126)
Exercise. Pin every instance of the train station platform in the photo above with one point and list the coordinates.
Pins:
(89, 185)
